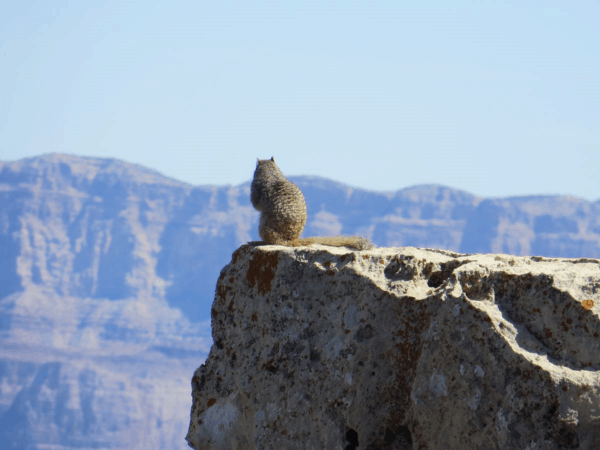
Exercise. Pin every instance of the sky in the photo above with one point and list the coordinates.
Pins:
(494, 98)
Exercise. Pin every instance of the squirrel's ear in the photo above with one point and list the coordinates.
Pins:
(272, 159)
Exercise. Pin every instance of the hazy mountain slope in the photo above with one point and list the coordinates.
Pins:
(544, 225)
(92, 355)
(99, 228)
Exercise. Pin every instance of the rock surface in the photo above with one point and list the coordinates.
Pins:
(400, 348)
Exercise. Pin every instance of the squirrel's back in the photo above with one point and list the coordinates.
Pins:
(280, 202)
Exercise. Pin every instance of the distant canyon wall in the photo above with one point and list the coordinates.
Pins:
(104, 228)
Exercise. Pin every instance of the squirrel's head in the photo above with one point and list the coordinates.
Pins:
(258, 160)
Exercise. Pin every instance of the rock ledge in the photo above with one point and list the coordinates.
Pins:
(400, 348)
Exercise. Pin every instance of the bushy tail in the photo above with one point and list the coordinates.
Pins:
(354, 242)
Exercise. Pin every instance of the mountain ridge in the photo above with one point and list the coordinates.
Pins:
(65, 157)
(123, 230)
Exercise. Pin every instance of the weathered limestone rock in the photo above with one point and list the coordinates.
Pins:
(400, 348)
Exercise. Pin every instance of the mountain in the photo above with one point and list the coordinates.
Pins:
(108, 269)
(92, 355)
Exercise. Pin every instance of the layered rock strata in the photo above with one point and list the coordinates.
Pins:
(400, 348)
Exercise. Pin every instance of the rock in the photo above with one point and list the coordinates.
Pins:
(400, 348)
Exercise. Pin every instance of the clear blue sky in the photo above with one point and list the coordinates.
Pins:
(496, 98)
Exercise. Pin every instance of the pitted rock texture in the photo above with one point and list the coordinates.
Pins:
(400, 348)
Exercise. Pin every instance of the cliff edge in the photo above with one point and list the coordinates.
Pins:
(400, 348)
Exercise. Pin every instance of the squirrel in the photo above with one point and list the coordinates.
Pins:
(283, 211)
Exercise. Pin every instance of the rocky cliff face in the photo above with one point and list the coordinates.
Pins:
(400, 348)
(89, 373)
(106, 229)
(92, 353)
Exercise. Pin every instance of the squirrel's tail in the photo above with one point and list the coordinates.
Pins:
(355, 242)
